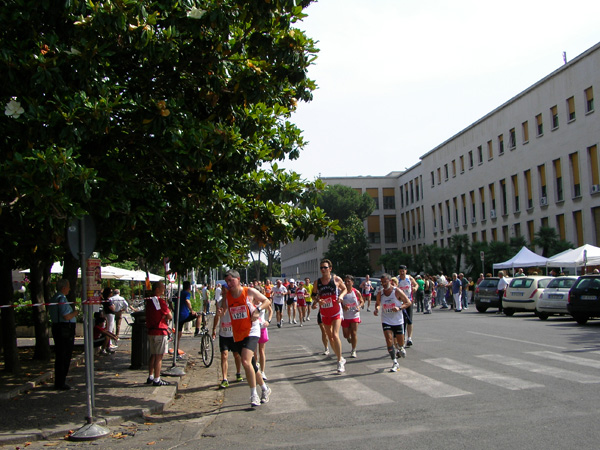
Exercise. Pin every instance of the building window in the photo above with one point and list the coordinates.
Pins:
(525, 130)
(470, 159)
(559, 183)
(480, 154)
(453, 168)
(373, 230)
(412, 193)
(490, 150)
(501, 144)
(574, 162)
(593, 161)
(389, 199)
(512, 142)
(439, 175)
(527, 175)
(571, 108)
(554, 116)
(432, 179)
(374, 194)
(446, 172)
(515, 187)
(482, 200)
(390, 229)
(504, 199)
(543, 188)
(540, 125)
(462, 164)
(589, 100)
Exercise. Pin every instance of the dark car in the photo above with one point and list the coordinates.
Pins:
(486, 294)
(584, 298)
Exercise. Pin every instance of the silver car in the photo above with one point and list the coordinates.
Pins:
(555, 297)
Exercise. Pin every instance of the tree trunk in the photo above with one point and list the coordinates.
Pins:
(7, 320)
(40, 318)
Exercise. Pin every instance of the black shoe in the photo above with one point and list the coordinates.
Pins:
(64, 387)
(160, 383)
(149, 381)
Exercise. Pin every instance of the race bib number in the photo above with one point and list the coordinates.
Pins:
(388, 308)
(238, 312)
(327, 303)
(226, 327)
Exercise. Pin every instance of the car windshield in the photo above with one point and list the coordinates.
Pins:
(561, 283)
(521, 283)
(489, 283)
(543, 283)
(587, 283)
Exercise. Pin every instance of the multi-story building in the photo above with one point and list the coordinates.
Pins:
(531, 162)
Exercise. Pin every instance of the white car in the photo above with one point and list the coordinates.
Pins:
(523, 292)
(555, 297)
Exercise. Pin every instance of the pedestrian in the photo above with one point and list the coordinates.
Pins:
(291, 301)
(102, 337)
(471, 290)
(279, 293)
(205, 299)
(328, 295)
(301, 302)
(441, 291)
(519, 273)
(420, 294)
(121, 306)
(266, 315)
(428, 289)
(226, 344)
(465, 291)
(392, 301)
(352, 303)
(63, 317)
(245, 305)
(408, 285)
(108, 309)
(309, 288)
(457, 292)
(157, 323)
(502, 285)
(186, 313)
(366, 288)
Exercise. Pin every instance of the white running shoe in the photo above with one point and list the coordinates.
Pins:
(395, 367)
(341, 366)
(264, 375)
(353, 354)
(264, 397)
(326, 352)
(402, 352)
(308, 318)
(255, 400)
(295, 321)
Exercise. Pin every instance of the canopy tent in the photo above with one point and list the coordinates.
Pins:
(109, 273)
(575, 257)
(525, 258)
(140, 275)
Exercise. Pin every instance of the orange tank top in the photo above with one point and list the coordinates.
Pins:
(241, 322)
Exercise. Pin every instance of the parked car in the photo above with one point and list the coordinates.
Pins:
(375, 283)
(555, 297)
(584, 298)
(522, 293)
(486, 294)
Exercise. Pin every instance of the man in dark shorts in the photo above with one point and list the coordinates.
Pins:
(186, 313)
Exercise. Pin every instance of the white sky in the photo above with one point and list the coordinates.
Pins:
(397, 78)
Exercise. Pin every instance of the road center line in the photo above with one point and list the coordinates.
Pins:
(517, 340)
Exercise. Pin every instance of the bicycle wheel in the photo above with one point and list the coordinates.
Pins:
(206, 349)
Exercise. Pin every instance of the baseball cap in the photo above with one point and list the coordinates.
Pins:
(292, 280)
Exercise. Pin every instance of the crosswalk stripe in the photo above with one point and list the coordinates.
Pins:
(356, 392)
(486, 376)
(568, 358)
(286, 399)
(540, 368)
(421, 383)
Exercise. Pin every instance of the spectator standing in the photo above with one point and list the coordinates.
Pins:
(502, 285)
(441, 291)
(121, 306)
(465, 291)
(108, 309)
(457, 292)
(420, 294)
(63, 317)
(157, 323)
(186, 313)
(428, 288)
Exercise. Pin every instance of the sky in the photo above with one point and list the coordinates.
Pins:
(397, 78)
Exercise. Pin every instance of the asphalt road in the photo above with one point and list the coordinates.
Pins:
(471, 380)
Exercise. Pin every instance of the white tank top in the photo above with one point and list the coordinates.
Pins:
(351, 300)
(406, 287)
(388, 302)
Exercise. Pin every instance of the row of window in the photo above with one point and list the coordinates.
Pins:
(512, 138)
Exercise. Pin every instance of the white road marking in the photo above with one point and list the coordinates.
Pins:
(521, 341)
(568, 358)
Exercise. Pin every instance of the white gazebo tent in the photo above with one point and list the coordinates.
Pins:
(578, 257)
(525, 258)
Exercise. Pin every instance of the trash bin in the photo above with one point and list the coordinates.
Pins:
(140, 354)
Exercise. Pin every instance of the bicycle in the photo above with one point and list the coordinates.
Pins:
(206, 342)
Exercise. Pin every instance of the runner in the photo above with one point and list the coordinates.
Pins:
(351, 305)
(279, 293)
(265, 319)
(226, 343)
(329, 291)
(309, 288)
(291, 301)
(408, 285)
(245, 305)
(392, 302)
(301, 301)
(366, 289)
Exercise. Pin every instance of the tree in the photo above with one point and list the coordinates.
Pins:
(547, 238)
(498, 252)
(392, 260)
(349, 251)
(516, 243)
(163, 121)
(473, 259)
(340, 202)
(433, 260)
(459, 243)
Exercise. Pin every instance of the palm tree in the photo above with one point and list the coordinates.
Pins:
(546, 238)
(459, 243)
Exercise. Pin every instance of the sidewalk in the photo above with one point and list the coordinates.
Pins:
(120, 394)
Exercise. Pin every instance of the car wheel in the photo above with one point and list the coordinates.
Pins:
(481, 309)
(509, 312)
(581, 319)
(542, 315)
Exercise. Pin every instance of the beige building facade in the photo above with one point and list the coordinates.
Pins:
(531, 162)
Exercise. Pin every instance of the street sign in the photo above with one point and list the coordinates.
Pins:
(89, 236)
(481, 255)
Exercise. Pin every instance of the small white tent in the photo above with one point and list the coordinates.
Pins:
(576, 257)
(525, 258)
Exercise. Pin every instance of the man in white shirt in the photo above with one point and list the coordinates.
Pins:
(502, 285)
(121, 306)
(279, 293)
